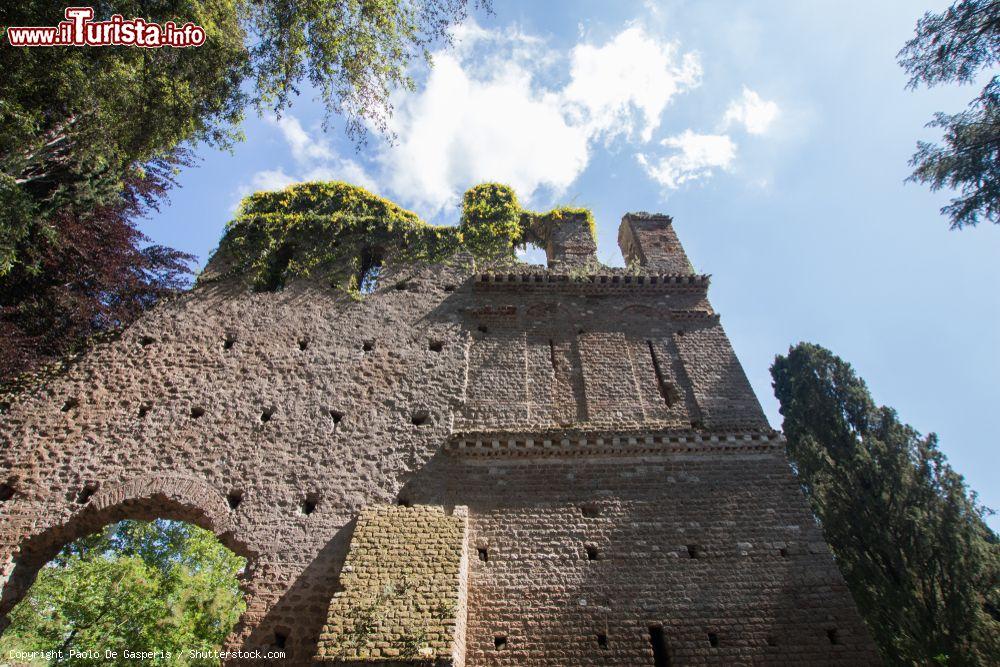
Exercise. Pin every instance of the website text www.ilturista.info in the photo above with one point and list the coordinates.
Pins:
(79, 29)
(126, 655)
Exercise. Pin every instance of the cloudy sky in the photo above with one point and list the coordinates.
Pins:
(777, 135)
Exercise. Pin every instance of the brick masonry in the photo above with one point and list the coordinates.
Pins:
(627, 502)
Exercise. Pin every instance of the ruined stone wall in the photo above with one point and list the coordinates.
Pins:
(622, 483)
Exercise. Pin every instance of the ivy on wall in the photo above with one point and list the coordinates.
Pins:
(339, 232)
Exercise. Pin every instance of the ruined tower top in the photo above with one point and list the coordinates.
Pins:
(650, 240)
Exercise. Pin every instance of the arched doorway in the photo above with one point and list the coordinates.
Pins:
(186, 510)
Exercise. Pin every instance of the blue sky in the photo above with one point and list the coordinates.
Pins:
(775, 133)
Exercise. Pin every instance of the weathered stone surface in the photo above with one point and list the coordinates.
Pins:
(621, 480)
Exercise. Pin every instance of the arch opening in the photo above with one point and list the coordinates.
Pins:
(161, 587)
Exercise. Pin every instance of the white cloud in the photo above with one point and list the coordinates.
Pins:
(484, 116)
(695, 157)
(304, 147)
(754, 113)
(631, 73)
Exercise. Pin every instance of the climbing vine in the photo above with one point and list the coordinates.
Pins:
(339, 233)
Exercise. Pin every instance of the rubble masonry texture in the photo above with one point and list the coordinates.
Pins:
(526, 466)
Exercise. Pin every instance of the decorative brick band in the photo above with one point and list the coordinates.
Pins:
(577, 444)
(565, 282)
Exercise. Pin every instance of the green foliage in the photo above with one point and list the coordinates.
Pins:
(161, 586)
(338, 232)
(955, 46)
(909, 537)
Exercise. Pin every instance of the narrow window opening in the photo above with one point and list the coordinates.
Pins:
(280, 638)
(602, 640)
(6, 492)
(783, 552)
(484, 554)
(234, 498)
(661, 652)
(593, 553)
(831, 634)
(667, 390)
(146, 341)
(713, 640)
(369, 271)
(197, 411)
(772, 640)
(552, 356)
(482, 328)
(88, 490)
(144, 408)
(368, 346)
(694, 551)
(303, 344)
(309, 503)
(266, 414)
(228, 341)
(499, 642)
(590, 510)
(420, 417)
(435, 346)
(70, 404)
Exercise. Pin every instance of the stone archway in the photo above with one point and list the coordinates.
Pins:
(172, 496)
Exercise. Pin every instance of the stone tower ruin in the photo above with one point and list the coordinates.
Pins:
(559, 465)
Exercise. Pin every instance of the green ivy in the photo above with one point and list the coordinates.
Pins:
(337, 232)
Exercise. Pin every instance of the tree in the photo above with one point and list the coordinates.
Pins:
(956, 46)
(82, 128)
(98, 276)
(908, 535)
(161, 586)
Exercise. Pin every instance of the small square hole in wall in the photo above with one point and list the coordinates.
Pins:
(336, 416)
(449, 288)
(713, 639)
(602, 640)
(590, 510)
(499, 642)
(6, 491)
(368, 345)
(197, 411)
(404, 502)
(593, 553)
(772, 640)
(266, 415)
(70, 404)
(831, 634)
(234, 498)
(435, 346)
(87, 492)
(144, 408)
(309, 504)
(783, 552)
(482, 328)
(695, 551)
(229, 341)
(484, 554)
(402, 285)
(420, 417)
(146, 341)
(303, 344)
